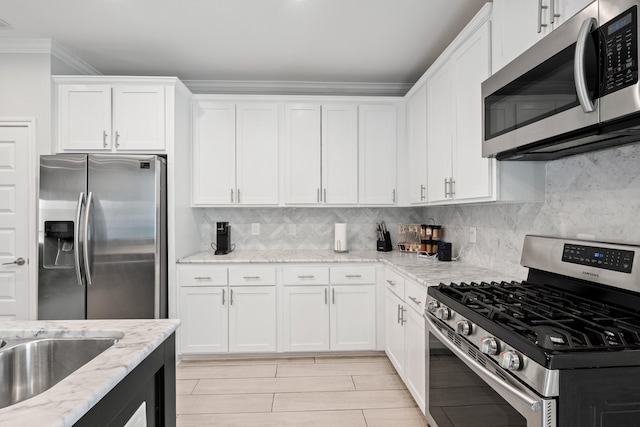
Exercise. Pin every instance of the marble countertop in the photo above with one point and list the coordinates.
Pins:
(427, 271)
(66, 402)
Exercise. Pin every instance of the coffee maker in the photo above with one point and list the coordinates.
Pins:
(223, 241)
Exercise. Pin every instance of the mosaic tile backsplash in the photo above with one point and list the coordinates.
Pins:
(595, 194)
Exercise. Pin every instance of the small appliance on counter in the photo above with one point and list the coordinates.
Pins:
(340, 238)
(223, 244)
(383, 243)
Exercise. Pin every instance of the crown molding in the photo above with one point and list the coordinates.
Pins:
(47, 46)
(70, 59)
(248, 87)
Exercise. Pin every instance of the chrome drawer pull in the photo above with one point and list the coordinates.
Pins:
(251, 277)
(391, 282)
(307, 277)
(202, 278)
(353, 276)
(415, 300)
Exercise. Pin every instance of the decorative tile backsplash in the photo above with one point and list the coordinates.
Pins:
(314, 226)
(594, 194)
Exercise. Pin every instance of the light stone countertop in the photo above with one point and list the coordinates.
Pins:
(66, 402)
(426, 271)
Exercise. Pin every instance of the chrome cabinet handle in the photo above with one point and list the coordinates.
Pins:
(540, 8)
(117, 139)
(307, 277)
(238, 195)
(325, 296)
(391, 282)
(85, 239)
(333, 296)
(251, 277)
(353, 276)
(230, 296)
(398, 321)
(451, 188)
(394, 196)
(223, 295)
(325, 195)
(579, 72)
(232, 195)
(202, 278)
(415, 300)
(104, 139)
(19, 261)
(446, 193)
(318, 195)
(554, 15)
(422, 188)
(402, 319)
(76, 237)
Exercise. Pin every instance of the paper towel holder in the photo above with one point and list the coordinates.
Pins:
(340, 238)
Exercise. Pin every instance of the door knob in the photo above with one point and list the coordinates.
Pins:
(19, 261)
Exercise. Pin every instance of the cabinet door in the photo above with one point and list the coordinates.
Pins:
(414, 351)
(257, 154)
(378, 142)
(252, 319)
(340, 154)
(353, 317)
(471, 65)
(302, 154)
(567, 8)
(214, 154)
(515, 28)
(439, 133)
(203, 311)
(394, 331)
(139, 117)
(417, 134)
(305, 312)
(84, 117)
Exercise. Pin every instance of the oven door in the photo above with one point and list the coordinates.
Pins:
(464, 388)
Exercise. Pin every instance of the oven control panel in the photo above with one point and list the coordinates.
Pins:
(605, 258)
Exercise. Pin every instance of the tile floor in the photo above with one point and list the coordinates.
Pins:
(303, 391)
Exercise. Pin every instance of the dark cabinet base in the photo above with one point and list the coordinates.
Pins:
(153, 382)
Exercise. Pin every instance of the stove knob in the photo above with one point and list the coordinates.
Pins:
(463, 327)
(510, 360)
(443, 313)
(433, 306)
(489, 345)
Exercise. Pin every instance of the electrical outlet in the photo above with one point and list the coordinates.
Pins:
(255, 229)
(473, 235)
(292, 230)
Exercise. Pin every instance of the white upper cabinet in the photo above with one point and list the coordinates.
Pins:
(111, 117)
(257, 154)
(378, 153)
(339, 154)
(302, 154)
(417, 135)
(214, 154)
(519, 24)
(321, 154)
(235, 154)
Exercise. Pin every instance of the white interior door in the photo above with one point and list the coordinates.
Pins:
(16, 216)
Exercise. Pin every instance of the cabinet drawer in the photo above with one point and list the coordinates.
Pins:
(415, 296)
(202, 276)
(252, 276)
(353, 275)
(394, 282)
(305, 275)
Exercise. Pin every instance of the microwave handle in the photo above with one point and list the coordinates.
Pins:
(579, 72)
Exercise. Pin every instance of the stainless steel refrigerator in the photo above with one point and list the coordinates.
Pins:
(102, 237)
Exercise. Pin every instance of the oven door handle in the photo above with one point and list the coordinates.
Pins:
(490, 378)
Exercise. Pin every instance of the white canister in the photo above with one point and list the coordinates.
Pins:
(340, 238)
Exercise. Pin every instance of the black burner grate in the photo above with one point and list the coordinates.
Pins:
(551, 318)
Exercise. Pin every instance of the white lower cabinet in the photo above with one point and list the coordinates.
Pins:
(353, 317)
(306, 318)
(405, 332)
(203, 311)
(252, 319)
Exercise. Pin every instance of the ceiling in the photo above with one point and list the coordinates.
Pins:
(331, 41)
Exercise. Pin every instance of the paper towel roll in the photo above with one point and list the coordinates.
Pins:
(340, 238)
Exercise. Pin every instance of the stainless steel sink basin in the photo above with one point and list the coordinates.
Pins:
(32, 367)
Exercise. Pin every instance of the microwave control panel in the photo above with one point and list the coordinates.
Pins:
(621, 51)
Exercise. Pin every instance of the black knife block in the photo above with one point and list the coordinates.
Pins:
(384, 245)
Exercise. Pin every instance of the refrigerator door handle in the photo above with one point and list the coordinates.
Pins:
(85, 239)
(76, 237)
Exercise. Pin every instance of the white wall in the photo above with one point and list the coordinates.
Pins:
(25, 92)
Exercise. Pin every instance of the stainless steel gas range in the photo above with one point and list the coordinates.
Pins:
(560, 349)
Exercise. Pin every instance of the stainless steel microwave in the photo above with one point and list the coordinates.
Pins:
(576, 90)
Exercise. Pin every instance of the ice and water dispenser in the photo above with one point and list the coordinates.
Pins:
(58, 244)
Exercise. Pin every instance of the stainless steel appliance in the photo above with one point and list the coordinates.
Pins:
(576, 90)
(559, 349)
(102, 237)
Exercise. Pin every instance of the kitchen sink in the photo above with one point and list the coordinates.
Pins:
(28, 368)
